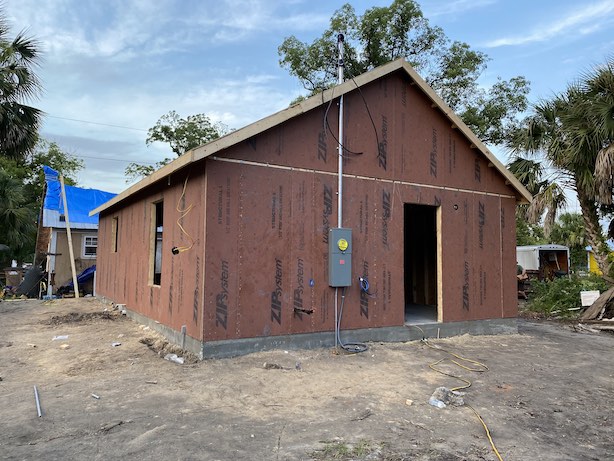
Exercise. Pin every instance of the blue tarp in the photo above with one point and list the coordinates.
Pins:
(86, 275)
(80, 201)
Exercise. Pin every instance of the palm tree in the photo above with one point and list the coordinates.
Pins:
(16, 217)
(548, 194)
(574, 132)
(19, 122)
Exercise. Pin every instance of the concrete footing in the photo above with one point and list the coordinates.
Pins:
(407, 332)
(231, 348)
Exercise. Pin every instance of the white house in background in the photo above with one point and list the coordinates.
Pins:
(52, 240)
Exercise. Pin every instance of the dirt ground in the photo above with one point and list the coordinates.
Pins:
(547, 395)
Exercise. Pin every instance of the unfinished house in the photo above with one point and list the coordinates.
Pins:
(240, 244)
(52, 239)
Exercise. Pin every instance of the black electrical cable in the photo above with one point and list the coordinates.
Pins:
(327, 127)
(368, 111)
(352, 348)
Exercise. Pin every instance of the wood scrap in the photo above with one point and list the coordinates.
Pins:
(603, 327)
(599, 306)
(583, 328)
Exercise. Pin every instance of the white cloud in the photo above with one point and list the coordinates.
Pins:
(128, 62)
(584, 20)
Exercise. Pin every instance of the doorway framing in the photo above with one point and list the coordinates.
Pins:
(429, 220)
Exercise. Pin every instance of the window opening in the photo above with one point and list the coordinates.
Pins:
(157, 242)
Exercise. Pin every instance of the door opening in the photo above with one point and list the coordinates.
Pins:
(420, 261)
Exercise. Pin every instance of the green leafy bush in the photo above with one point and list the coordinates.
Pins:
(561, 294)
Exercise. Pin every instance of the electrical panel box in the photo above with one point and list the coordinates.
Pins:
(340, 257)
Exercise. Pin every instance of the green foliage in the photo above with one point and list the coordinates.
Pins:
(492, 114)
(18, 83)
(17, 218)
(135, 171)
(561, 294)
(22, 183)
(181, 134)
(29, 169)
(548, 195)
(574, 133)
(383, 34)
(527, 233)
(569, 231)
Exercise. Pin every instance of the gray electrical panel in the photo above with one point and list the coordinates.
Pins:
(340, 257)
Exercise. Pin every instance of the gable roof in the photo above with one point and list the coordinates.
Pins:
(235, 137)
(80, 203)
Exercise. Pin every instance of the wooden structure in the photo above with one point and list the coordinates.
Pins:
(228, 244)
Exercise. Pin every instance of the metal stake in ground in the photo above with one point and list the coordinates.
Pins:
(38, 402)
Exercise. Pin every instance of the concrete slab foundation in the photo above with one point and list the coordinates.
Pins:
(408, 332)
(222, 349)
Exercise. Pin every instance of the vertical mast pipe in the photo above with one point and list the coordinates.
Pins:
(340, 144)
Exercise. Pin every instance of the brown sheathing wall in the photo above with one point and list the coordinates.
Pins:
(124, 276)
(508, 259)
(276, 198)
(271, 200)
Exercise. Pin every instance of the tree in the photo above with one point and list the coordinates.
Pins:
(19, 122)
(383, 34)
(574, 131)
(569, 231)
(527, 233)
(182, 134)
(22, 182)
(29, 169)
(548, 194)
(17, 219)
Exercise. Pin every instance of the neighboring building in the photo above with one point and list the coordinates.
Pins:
(226, 249)
(52, 241)
(592, 265)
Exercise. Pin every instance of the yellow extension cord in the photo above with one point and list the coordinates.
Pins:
(183, 213)
(481, 369)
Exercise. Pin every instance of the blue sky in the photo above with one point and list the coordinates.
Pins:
(127, 62)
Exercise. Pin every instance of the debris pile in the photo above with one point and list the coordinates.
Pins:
(442, 397)
(600, 315)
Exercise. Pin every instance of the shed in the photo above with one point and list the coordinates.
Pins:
(226, 250)
(52, 240)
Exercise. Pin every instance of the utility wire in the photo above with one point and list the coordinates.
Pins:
(111, 159)
(96, 123)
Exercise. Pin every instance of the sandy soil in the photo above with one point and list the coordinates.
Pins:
(547, 395)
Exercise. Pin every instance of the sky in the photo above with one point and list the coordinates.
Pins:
(112, 68)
